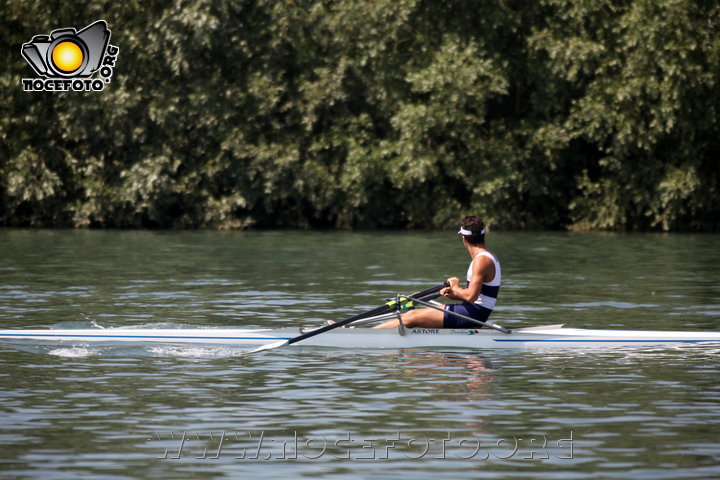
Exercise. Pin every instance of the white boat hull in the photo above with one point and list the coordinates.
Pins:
(554, 336)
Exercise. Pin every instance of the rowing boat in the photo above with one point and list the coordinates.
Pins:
(550, 336)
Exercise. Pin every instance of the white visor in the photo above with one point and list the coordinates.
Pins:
(469, 233)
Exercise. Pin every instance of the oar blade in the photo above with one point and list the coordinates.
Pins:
(267, 346)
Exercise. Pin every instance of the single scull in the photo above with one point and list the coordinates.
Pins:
(551, 336)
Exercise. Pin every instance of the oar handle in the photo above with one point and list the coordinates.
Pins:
(431, 291)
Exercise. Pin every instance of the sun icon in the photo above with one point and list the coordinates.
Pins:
(67, 56)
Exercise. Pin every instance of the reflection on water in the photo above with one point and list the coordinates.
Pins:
(473, 386)
(77, 410)
(432, 367)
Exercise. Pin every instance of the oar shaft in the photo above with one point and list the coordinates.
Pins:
(464, 317)
(389, 315)
(371, 313)
(376, 311)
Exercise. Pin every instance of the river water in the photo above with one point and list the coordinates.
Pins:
(173, 412)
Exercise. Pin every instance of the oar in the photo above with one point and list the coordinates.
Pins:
(376, 311)
(464, 317)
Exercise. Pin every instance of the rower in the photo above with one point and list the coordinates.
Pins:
(479, 295)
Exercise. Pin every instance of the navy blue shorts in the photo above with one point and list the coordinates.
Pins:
(472, 310)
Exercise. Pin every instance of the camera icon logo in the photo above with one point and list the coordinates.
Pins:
(68, 54)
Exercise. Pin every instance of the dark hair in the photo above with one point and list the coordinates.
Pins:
(477, 227)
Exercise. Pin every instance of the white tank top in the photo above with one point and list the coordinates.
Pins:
(489, 290)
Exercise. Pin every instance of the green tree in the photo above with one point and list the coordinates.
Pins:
(230, 114)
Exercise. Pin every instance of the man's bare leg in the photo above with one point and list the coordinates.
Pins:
(423, 318)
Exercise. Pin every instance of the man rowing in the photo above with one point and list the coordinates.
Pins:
(479, 295)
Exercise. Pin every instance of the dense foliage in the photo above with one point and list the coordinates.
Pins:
(582, 114)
